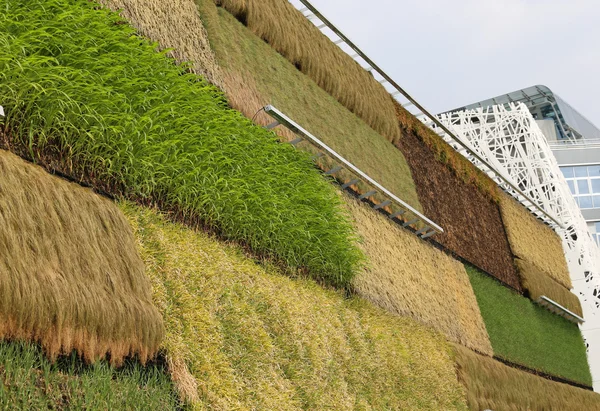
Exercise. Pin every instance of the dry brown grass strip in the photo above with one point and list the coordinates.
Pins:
(291, 34)
(536, 283)
(493, 385)
(411, 278)
(533, 241)
(70, 275)
(175, 25)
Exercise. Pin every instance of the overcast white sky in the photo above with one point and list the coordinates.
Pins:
(451, 53)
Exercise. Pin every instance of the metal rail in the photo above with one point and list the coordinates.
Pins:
(412, 102)
(428, 230)
(559, 309)
(574, 144)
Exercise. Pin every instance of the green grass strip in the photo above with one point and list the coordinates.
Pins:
(28, 381)
(80, 84)
(528, 334)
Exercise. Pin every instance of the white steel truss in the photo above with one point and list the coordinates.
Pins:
(510, 140)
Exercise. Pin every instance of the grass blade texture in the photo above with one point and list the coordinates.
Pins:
(536, 284)
(28, 381)
(495, 386)
(533, 241)
(411, 278)
(527, 334)
(241, 336)
(70, 275)
(297, 39)
(79, 84)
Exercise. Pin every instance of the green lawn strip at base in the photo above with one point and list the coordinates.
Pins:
(525, 333)
(106, 103)
(29, 381)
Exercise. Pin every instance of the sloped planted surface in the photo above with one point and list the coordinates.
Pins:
(527, 334)
(70, 275)
(176, 25)
(534, 242)
(256, 75)
(28, 381)
(495, 386)
(104, 106)
(243, 336)
(411, 278)
(292, 35)
(470, 218)
(537, 283)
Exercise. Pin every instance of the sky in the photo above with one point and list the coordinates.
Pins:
(447, 54)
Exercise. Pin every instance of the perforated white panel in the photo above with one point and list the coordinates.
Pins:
(510, 140)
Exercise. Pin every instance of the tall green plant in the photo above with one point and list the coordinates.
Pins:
(81, 86)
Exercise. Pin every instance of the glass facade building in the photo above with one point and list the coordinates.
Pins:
(544, 104)
(584, 182)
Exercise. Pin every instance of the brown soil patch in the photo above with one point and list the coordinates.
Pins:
(471, 220)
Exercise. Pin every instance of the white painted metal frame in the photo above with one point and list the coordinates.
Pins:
(510, 139)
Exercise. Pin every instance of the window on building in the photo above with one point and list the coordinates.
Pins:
(568, 172)
(580, 171)
(584, 183)
(596, 235)
(583, 186)
(585, 202)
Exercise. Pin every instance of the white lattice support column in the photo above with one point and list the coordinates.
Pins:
(509, 139)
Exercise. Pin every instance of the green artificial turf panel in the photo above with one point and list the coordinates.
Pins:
(528, 334)
(28, 381)
(80, 86)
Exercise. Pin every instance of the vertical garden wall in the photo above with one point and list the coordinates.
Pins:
(260, 284)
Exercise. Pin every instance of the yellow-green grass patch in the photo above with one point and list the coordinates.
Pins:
(533, 241)
(536, 283)
(106, 108)
(242, 336)
(295, 37)
(409, 277)
(493, 385)
(70, 275)
(256, 75)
